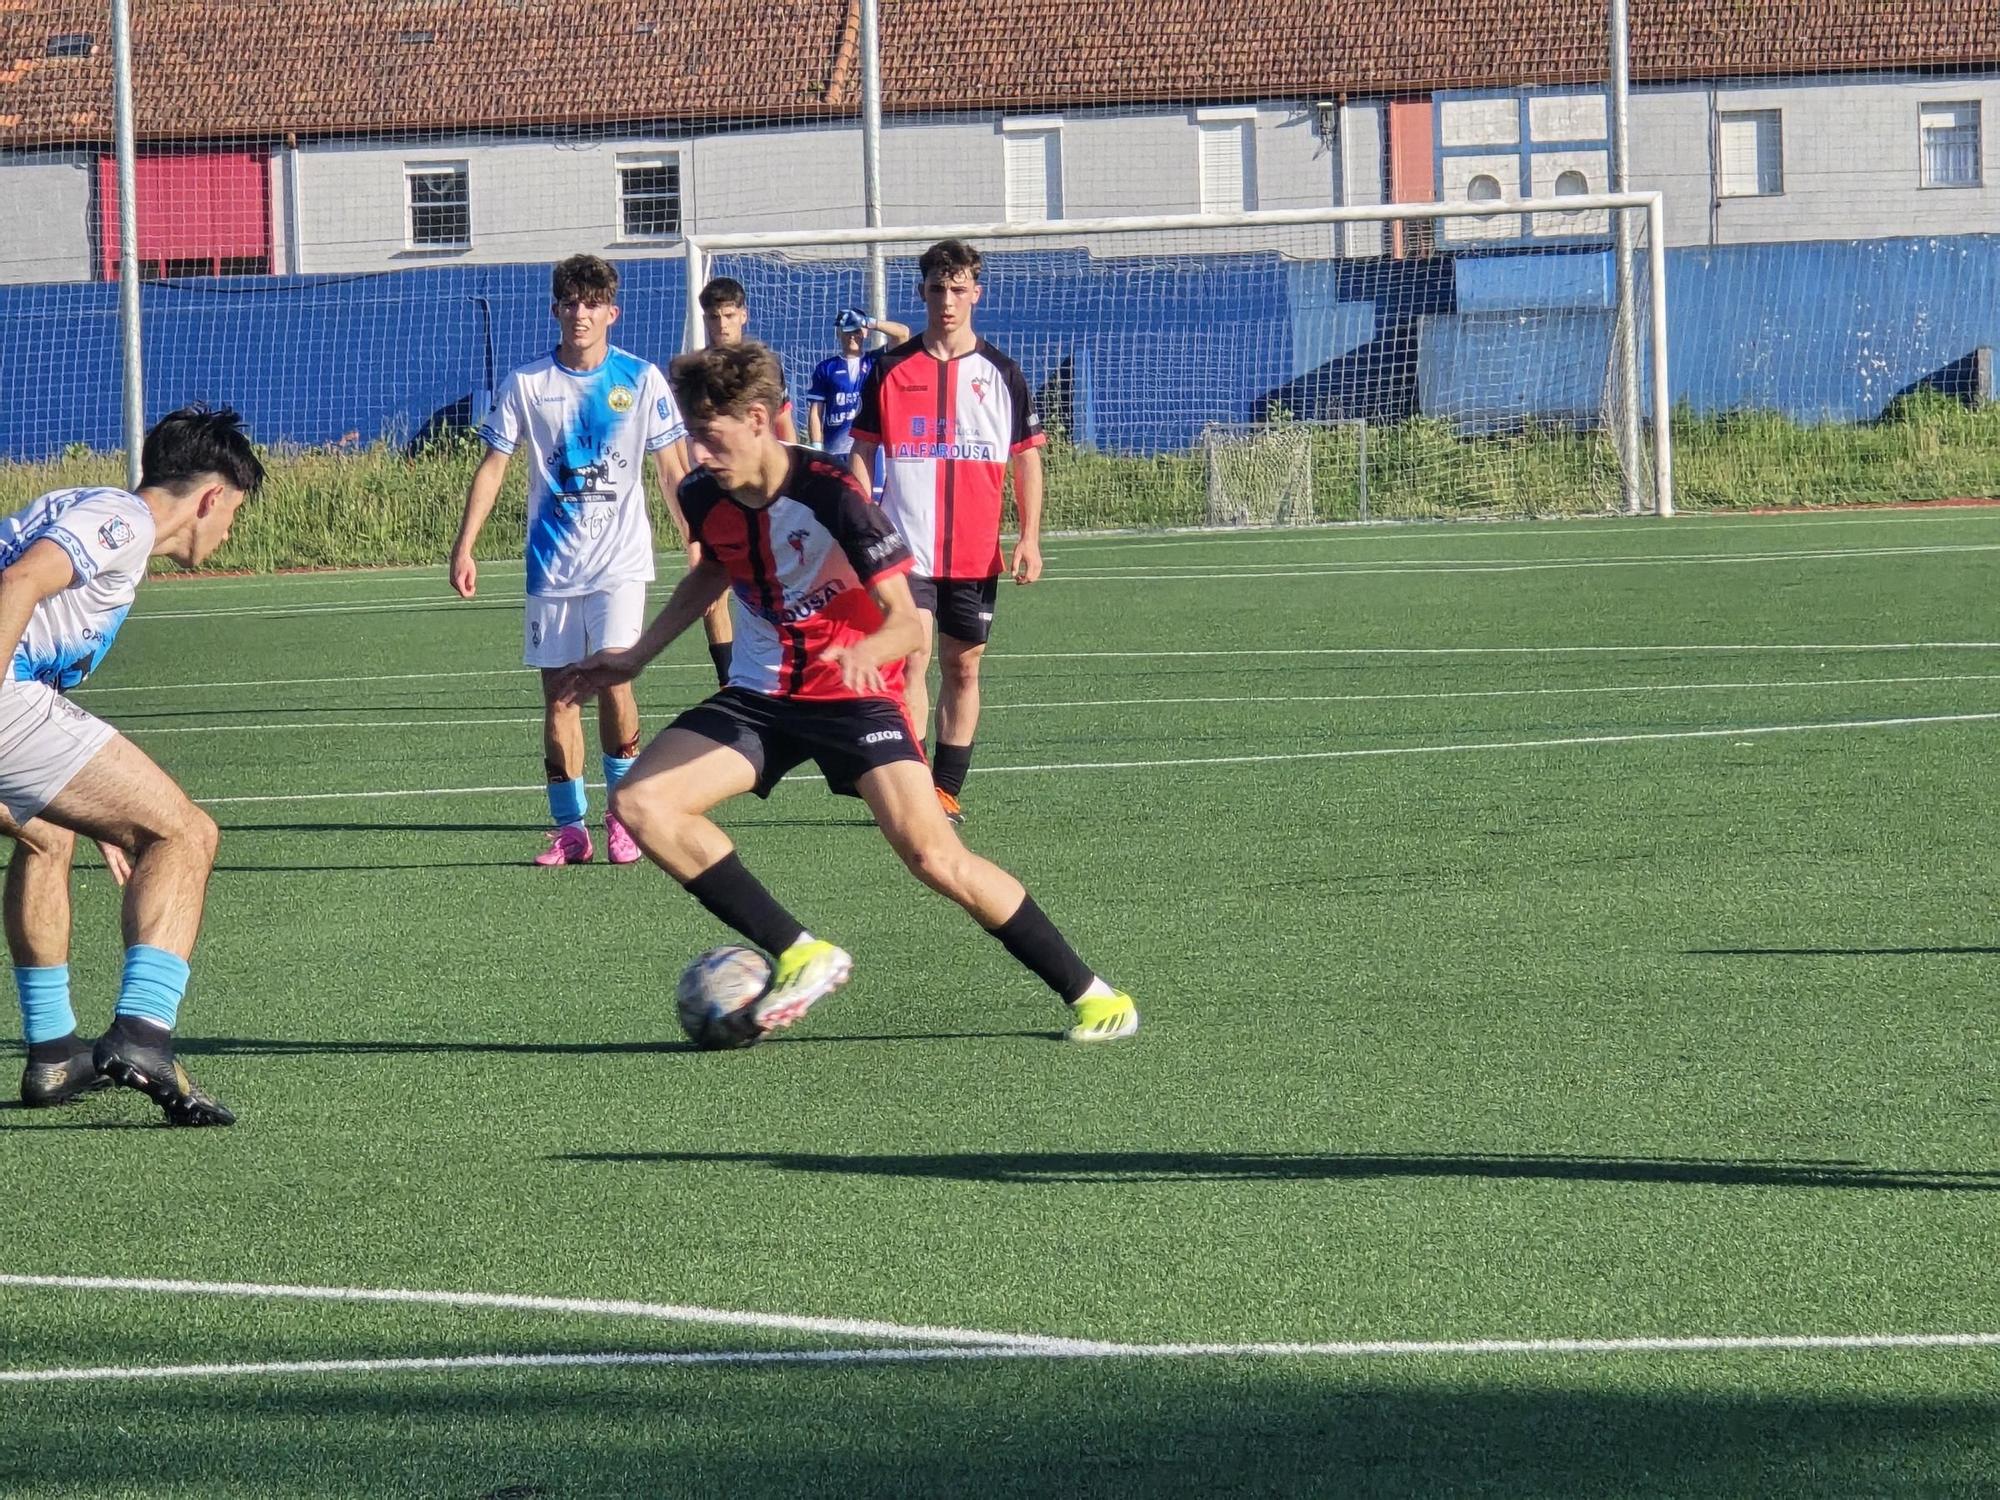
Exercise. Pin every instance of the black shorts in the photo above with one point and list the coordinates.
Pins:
(845, 737)
(963, 606)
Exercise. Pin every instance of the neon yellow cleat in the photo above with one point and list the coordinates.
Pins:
(1103, 1018)
(805, 974)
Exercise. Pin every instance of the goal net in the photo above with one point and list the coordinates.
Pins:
(1255, 371)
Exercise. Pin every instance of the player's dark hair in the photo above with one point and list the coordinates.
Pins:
(726, 380)
(197, 441)
(723, 291)
(949, 257)
(590, 279)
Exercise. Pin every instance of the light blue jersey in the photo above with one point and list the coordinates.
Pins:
(108, 535)
(589, 432)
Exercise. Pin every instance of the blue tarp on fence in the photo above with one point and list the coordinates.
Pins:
(1132, 355)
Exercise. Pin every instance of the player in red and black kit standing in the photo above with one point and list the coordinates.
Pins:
(821, 578)
(952, 416)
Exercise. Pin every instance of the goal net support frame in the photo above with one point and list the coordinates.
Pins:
(1624, 405)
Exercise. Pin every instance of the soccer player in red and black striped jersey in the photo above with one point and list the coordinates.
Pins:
(821, 579)
(952, 416)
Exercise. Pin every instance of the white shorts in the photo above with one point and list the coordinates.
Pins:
(562, 632)
(44, 741)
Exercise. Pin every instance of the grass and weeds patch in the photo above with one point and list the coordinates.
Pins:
(384, 504)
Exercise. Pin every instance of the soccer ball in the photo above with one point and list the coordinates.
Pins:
(713, 989)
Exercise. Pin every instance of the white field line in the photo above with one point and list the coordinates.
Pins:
(1340, 652)
(1367, 753)
(1052, 1350)
(511, 1302)
(1266, 700)
(1386, 567)
(1567, 742)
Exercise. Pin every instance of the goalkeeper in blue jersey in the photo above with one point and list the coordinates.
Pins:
(834, 396)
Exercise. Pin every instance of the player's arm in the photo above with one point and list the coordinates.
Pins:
(670, 468)
(1027, 469)
(43, 570)
(815, 421)
(786, 428)
(861, 461)
(890, 329)
(479, 498)
(900, 633)
(704, 583)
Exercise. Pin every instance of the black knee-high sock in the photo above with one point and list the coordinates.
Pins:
(738, 899)
(1032, 938)
(721, 652)
(949, 763)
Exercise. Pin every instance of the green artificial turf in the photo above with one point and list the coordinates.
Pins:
(1494, 988)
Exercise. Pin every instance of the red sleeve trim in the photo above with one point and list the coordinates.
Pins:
(865, 436)
(894, 568)
(1040, 439)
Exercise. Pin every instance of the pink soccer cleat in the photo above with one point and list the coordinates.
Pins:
(568, 845)
(619, 844)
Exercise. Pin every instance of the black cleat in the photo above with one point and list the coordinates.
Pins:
(152, 1069)
(45, 1084)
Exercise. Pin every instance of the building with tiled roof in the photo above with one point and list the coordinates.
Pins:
(346, 135)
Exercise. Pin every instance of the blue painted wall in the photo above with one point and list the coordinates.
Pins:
(1823, 332)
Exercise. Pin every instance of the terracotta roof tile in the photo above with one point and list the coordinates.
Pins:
(397, 66)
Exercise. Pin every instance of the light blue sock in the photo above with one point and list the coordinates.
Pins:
(567, 802)
(45, 1012)
(615, 767)
(154, 982)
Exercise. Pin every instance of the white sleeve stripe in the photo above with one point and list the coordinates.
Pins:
(79, 554)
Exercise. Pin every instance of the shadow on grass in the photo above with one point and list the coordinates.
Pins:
(1834, 952)
(1020, 1428)
(281, 1047)
(1083, 1167)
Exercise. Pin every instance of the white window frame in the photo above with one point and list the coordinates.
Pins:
(658, 156)
(1055, 195)
(1240, 121)
(1758, 189)
(412, 170)
(1978, 178)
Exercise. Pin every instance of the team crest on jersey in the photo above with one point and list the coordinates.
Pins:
(980, 385)
(622, 399)
(797, 540)
(115, 533)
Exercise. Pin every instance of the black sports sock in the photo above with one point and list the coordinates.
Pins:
(737, 899)
(1032, 938)
(949, 763)
(720, 653)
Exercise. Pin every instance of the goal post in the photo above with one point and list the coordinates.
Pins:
(1405, 360)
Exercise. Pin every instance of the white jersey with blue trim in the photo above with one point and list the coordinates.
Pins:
(108, 535)
(589, 432)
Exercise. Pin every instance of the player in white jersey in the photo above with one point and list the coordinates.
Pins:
(69, 566)
(590, 415)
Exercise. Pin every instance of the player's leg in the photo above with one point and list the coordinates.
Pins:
(121, 797)
(917, 665)
(556, 636)
(964, 621)
(59, 1066)
(715, 751)
(906, 808)
(613, 619)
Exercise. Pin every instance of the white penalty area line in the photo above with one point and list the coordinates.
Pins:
(1752, 648)
(1364, 753)
(1267, 700)
(933, 1343)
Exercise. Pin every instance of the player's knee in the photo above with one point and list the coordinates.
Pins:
(201, 833)
(961, 670)
(938, 862)
(45, 841)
